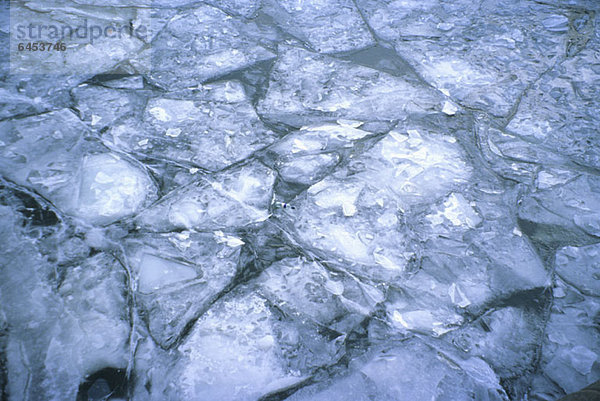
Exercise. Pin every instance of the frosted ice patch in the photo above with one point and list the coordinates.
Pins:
(556, 23)
(582, 359)
(160, 114)
(156, 273)
(457, 296)
(110, 188)
(349, 123)
(449, 108)
(458, 211)
(229, 240)
(173, 132)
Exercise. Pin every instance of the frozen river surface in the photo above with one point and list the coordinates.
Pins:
(301, 200)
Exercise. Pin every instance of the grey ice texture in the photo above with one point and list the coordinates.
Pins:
(305, 200)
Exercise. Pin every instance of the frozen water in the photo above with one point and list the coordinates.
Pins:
(103, 107)
(52, 154)
(111, 188)
(483, 57)
(570, 350)
(205, 204)
(307, 289)
(301, 200)
(507, 339)
(233, 198)
(564, 214)
(518, 159)
(390, 374)
(212, 129)
(205, 43)
(83, 58)
(306, 156)
(325, 26)
(245, 8)
(306, 88)
(560, 110)
(59, 334)
(179, 275)
(579, 266)
(355, 214)
(242, 349)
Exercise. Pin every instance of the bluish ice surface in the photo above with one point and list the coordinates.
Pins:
(302, 200)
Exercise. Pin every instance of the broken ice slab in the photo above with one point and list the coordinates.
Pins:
(354, 215)
(307, 289)
(211, 128)
(23, 95)
(411, 370)
(508, 340)
(425, 318)
(580, 267)
(567, 214)
(88, 50)
(325, 26)
(178, 276)
(58, 336)
(170, 176)
(513, 157)
(560, 111)
(241, 349)
(111, 188)
(306, 88)
(456, 281)
(244, 8)
(97, 334)
(123, 82)
(230, 199)
(53, 154)
(309, 154)
(571, 349)
(102, 107)
(484, 58)
(476, 222)
(471, 257)
(307, 169)
(204, 43)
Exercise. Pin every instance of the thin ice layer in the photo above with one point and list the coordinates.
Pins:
(355, 214)
(57, 335)
(211, 128)
(178, 276)
(52, 154)
(307, 88)
(233, 198)
(242, 349)
(409, 371)
(204, 43)
(482, 56)
(324, 25)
